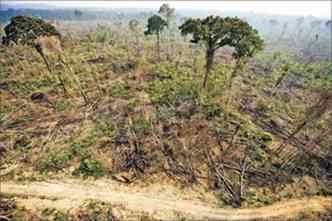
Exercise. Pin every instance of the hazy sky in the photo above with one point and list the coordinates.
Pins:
(315, 8)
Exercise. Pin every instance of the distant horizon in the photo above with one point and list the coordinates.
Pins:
(319, 9)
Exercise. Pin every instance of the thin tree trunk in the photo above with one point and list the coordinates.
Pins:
(85, 97)
(242, 177)
(168, 40)
(230, 81)
(137, 46)
(209, 64)
(278, 83)
(234, 73)
(62, 83)
(194, 61)
(281, 78)
(158, 45)
(40, 51)
(313, 113)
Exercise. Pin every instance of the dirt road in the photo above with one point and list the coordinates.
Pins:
(67, 194)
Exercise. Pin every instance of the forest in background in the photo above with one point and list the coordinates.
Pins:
(307, 37)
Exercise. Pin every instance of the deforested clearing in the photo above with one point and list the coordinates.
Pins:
(164, 114)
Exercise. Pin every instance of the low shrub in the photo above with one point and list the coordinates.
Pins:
(141, 126)
(103, 126)
(211, 109)
(55, 161)
(166, 114)
(174, 87)
(90, 167)
(120, 91)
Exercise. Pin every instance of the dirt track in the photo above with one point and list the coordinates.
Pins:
(66, 195)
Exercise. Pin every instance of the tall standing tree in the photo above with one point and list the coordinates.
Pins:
(168, 14)
(216, 32)
(26, 30)
(154, 27)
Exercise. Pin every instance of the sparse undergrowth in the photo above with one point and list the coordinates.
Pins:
(87, 211)
(132, 119)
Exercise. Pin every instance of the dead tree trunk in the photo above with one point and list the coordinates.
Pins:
(313, 113)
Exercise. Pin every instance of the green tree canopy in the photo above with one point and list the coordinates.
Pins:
(155, 25)
(216, 32)
(25, 29)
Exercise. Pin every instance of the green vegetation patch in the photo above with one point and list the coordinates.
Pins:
(25, 29)
(173, 86)
(120, 91)
(90, 167)
(55, 160)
